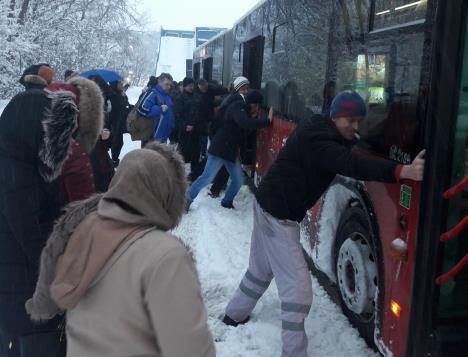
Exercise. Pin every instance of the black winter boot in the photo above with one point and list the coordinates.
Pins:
(230, 322)
(227, 205)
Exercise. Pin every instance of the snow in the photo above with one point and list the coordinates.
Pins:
(220, 240)
(337, 197)
(3, 103)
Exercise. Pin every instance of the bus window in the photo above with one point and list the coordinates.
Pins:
(280, 38)
(388, 79)
(391, 13)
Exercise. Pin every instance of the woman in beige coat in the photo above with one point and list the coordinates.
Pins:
(128, 287)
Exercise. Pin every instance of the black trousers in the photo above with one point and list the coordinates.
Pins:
(45, 342)
(190, 148)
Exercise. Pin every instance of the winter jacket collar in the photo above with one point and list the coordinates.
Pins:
(161, 91)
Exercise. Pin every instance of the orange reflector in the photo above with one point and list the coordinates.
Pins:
(396, 309)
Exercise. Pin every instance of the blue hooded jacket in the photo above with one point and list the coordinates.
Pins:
(150, 107)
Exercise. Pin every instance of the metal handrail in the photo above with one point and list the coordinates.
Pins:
(453, 272)
(457, 188)
(453, 232)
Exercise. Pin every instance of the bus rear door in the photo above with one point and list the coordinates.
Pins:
(439, 309)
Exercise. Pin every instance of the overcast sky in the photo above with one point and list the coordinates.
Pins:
(187, 14)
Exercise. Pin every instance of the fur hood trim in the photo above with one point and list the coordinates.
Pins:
(35, 79)
(91, 106)
(176, 163)
(60, 119)
(157, 192)
(41, 307)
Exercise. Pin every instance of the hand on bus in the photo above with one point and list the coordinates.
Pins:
(164, 108)
(415, 171)
(270, 114)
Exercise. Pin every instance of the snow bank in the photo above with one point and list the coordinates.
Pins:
(3, 103)
(220, 240)
(335, 202)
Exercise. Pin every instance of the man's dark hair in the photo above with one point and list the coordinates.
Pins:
(68, 73)
(164, 76)
(152, 81)
(202, 82)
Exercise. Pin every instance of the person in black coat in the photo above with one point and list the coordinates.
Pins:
(101, 162)
(207, 92)
(224, 149)
(315, 152)
(186, 111)
(117, 118)
(36, 131)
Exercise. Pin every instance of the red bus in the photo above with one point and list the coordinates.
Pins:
(394, 256)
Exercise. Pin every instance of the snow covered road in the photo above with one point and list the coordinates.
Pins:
(220, 241)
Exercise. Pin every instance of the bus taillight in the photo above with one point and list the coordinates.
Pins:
(395, 307)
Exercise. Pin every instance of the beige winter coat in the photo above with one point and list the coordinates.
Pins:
(137, 295)
(146, 302)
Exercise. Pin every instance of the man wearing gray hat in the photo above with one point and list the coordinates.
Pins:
(224, 148)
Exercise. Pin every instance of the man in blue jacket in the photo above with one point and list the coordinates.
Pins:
(157, 105)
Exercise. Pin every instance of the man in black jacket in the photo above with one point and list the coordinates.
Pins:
(186, 111)
(207, 93)
(313, 155)
(224, 149)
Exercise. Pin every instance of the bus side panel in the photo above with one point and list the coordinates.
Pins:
(396, 222)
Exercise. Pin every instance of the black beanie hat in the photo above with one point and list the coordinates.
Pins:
(254, 97)
(187, 81)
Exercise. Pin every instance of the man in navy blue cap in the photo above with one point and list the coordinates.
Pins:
(315, 152)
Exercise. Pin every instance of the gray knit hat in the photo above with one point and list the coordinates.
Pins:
(239, 82)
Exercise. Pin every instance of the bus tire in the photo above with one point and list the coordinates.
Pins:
(357, 271)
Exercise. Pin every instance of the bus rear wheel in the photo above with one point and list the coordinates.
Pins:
(357, 271)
